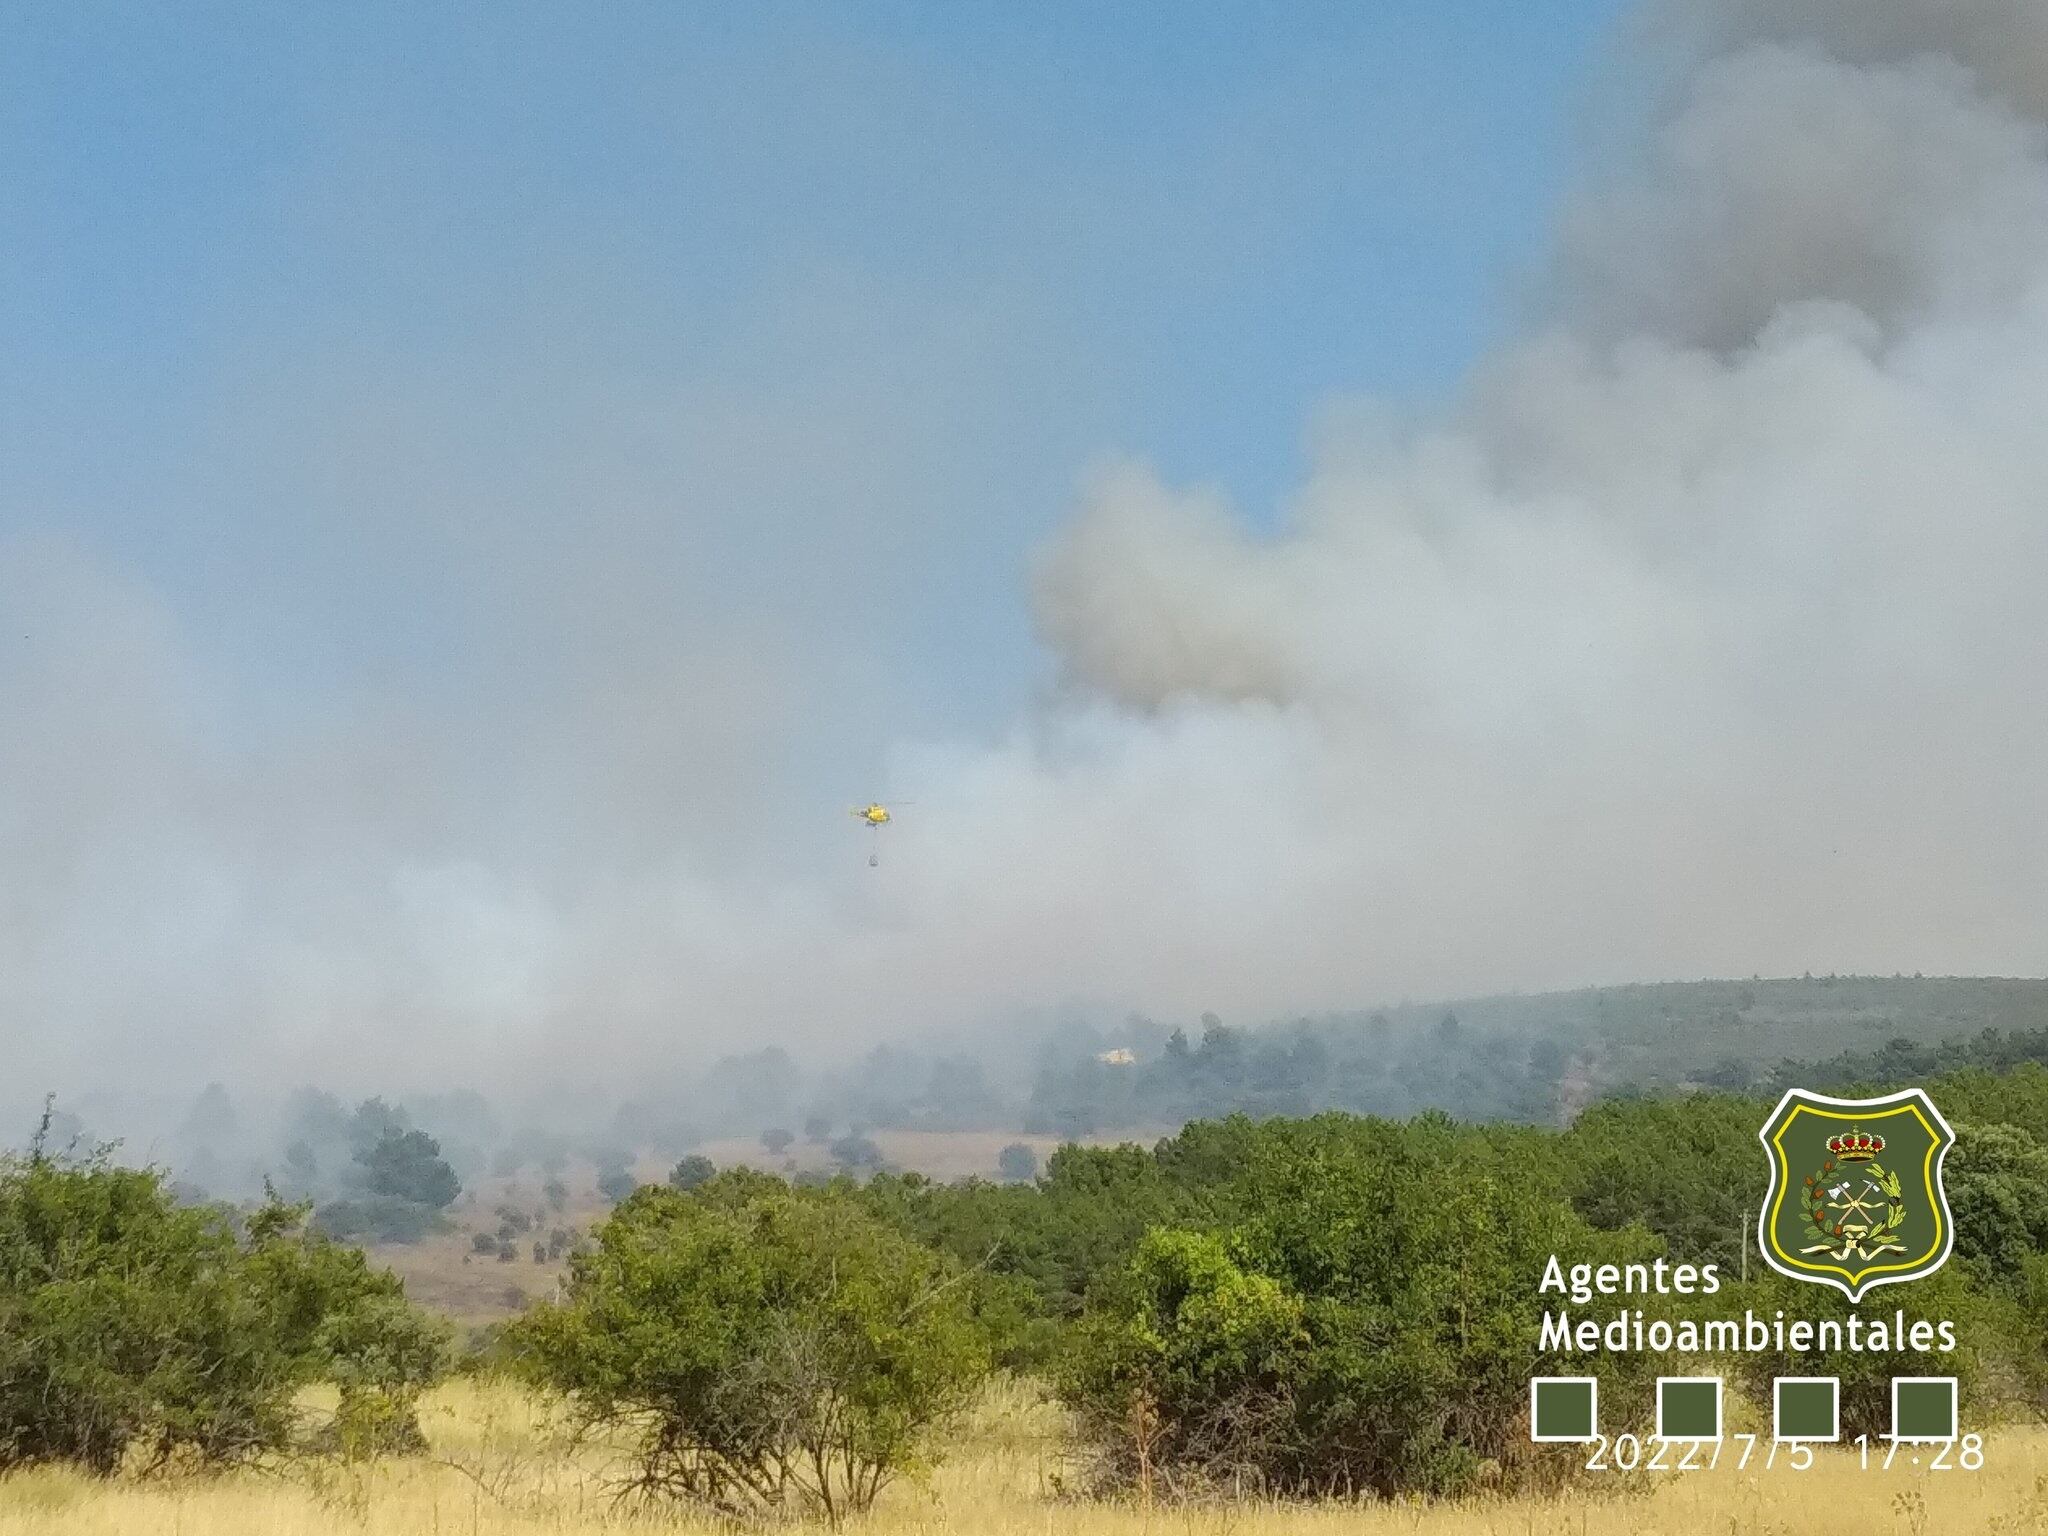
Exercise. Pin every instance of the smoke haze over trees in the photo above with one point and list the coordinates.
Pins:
(1697, 633)
(389, 1167)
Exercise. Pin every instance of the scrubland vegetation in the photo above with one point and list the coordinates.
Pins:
(1276, 1320)
(139, 1334)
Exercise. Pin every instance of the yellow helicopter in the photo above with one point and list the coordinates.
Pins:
(875, 816)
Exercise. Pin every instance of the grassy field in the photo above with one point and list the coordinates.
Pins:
(499, 1467)
(443, 1273)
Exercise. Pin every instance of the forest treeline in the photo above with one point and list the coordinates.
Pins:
(1538, 1059)
(1904, 1061)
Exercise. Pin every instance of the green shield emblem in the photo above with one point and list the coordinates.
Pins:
(1856, 1198)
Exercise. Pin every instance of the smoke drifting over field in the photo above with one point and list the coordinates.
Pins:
(1703, 635)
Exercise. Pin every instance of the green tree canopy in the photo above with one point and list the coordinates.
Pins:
(690, 1172)
(765, 1350)
(130, 1324)
(407, 1165)
(1366, 1319)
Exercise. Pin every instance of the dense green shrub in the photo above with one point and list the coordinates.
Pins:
(1985, 1363)
(1367, 1320)
(1689, 1169)
(1412, 1251)
(131, 1325)
(765, 1350)
(1192, 1368)
(1997, 1180)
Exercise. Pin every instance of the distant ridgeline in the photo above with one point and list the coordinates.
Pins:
(1543, 1058)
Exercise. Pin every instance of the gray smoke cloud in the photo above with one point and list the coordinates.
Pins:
(1703, 635)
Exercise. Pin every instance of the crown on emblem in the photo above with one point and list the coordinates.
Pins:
(1856, 1147)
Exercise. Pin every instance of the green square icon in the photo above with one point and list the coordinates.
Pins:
(1688, 1407)
(1564, 1408)
(1923, 1407)
(1806, 1408)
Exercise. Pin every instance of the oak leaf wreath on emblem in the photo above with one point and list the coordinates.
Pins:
(1825, 1227)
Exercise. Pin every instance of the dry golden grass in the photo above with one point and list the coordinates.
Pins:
(498, 1468)
(443, 1273)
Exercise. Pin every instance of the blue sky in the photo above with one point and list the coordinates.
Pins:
(274, 284)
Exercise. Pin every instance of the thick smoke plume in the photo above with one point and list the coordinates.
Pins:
(1705, 635)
